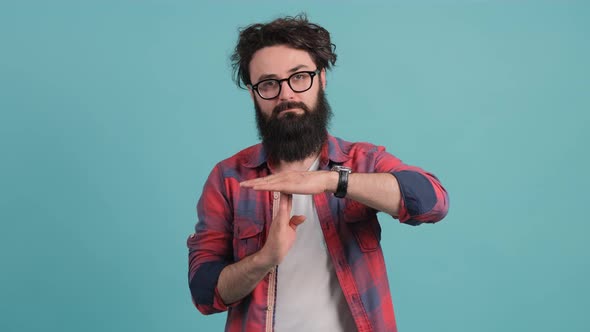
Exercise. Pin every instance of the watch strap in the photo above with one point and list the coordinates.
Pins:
(342, 187)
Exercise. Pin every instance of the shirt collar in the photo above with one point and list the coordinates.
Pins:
(334, 150)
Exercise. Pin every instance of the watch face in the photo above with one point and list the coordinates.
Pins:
(339, 168)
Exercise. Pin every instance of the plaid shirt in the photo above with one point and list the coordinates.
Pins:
(233, 223)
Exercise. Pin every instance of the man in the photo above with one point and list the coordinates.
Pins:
(287, 237)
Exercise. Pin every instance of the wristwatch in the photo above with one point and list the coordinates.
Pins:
(343, 172)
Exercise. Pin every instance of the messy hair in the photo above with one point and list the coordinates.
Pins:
(296, 32)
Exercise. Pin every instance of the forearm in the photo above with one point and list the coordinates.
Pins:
(238, 280)
(377, 190)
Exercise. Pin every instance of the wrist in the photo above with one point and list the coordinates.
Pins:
(331, 181)
(262, 260)
(342, 186)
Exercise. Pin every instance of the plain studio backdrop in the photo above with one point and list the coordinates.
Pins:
(113, 113)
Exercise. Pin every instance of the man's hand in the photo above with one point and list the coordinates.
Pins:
(282, 233)
(377, 190)
(237, 280)
(302, 183)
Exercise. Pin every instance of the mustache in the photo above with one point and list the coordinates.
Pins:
(289, 105)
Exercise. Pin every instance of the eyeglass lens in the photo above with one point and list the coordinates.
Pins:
(299, 82)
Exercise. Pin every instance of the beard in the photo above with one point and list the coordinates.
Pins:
(294, 137)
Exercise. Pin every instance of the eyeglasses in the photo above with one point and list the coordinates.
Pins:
(300, 81)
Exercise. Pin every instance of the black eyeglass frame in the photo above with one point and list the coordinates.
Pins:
(312, 74)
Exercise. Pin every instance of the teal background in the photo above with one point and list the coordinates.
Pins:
(114, 112)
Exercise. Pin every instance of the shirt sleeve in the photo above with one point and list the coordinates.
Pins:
(210, 247)
(424, 199)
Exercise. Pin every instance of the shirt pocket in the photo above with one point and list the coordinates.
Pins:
(363, 224)
(247, 237)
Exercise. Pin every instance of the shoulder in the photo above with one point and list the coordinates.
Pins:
(353, 149)
(242, 162)
(362, 157)
(246, 156)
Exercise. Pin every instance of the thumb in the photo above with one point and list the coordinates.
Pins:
(296, 221)
(285, 205)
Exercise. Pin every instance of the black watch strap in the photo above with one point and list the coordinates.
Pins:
(342, 188)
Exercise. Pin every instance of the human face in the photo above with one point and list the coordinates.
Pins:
(294, 137)
(280, 62)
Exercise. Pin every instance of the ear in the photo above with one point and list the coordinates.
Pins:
(323, 78)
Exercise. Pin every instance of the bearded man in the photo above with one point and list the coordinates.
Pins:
(287, 237)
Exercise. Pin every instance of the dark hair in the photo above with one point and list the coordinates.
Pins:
(296, 32)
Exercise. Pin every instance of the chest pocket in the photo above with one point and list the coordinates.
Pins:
(363, 224)
(247, 237)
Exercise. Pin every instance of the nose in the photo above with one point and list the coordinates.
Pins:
(286, 92)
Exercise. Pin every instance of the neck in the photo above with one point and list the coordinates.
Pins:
(299, 165)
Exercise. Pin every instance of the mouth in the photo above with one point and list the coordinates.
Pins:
(291, 111)
(289, 108)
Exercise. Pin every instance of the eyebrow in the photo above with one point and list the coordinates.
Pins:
(292, 70)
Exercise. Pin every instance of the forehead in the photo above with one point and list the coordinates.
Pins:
(279, 61)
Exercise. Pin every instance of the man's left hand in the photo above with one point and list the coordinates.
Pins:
(292, 182)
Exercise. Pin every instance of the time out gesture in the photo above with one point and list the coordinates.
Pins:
(377, 190)
(296, 182)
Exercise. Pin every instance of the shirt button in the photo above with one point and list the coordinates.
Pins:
(276, 195)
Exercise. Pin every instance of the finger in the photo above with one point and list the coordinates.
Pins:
(284, 207)
(280, 187)
(284, 184)
(296, 221)
(288, 199)
(268, 181)
(253, 182)
(289, 202)
(249, 183)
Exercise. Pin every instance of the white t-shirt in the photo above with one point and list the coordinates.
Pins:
(309, 297)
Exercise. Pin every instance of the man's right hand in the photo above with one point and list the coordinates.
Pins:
(237, 280)
(282, 233)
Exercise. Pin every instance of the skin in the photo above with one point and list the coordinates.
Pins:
(379, 191)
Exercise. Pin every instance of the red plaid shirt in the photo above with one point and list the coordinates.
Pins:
(233, 223)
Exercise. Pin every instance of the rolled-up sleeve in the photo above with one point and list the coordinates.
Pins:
(210, 247)
(423, 198)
